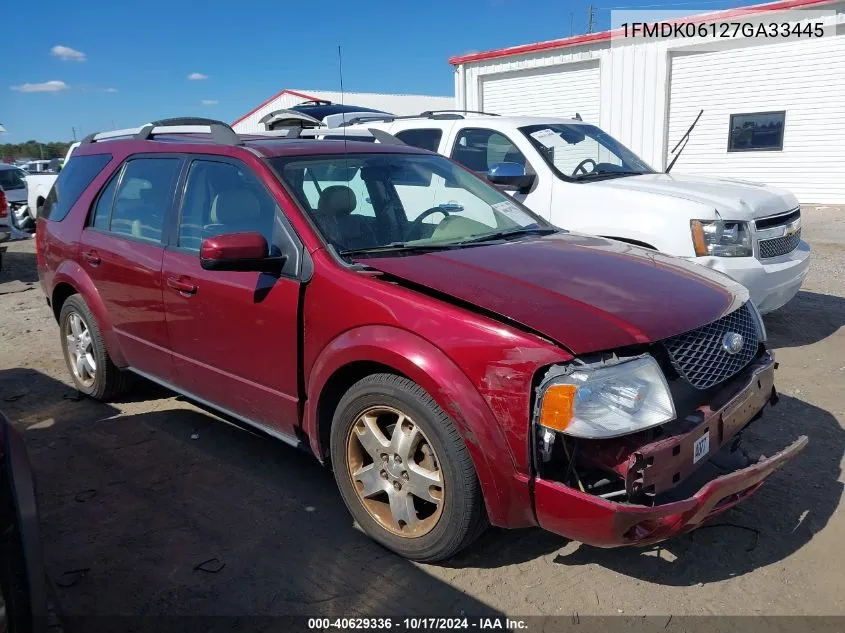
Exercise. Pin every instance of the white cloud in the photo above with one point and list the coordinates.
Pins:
(47, 86)
(109, 89)
(68, 54)
(209, 102)
(197, 77)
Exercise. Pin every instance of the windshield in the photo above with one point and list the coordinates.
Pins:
(584, 152)
(402, 202)
(12, 179)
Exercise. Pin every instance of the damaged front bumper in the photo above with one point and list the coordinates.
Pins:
(654, 469)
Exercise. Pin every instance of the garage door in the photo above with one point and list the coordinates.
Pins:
(560, 91)
(804, 80)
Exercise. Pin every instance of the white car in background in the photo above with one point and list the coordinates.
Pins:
(40, 183)
(582, 179)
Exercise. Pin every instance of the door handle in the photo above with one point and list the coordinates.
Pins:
(91, 257)
(183, 287)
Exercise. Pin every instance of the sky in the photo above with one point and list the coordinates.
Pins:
(98, 65)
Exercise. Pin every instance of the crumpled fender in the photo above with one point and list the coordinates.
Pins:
(505, 495)
(70, 272)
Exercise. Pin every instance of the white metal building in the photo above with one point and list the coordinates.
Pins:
(774, 110)
(393, 103)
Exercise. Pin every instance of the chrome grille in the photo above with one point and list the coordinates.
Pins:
(779, 245)
(699, 355)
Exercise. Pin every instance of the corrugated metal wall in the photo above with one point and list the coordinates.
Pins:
(806, 79)
(648, 105)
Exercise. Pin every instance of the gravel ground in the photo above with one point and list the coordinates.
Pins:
(137, 495)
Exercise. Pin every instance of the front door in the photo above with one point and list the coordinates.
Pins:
(479, 149)
(121, 250)
(233, 334)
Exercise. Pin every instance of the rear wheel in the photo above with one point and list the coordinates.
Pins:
(91, 368)
(404, 471)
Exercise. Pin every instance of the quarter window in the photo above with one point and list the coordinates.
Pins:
(759, 131)
(422, 138)
(71, 182)
(479, 149)
(102, 210)
(145, 194)
(223, 198)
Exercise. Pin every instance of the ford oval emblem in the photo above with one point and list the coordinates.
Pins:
(732, 343)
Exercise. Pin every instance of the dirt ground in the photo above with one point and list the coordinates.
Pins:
(137, 495)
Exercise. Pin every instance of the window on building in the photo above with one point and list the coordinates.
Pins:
(424, 139)
(757, 131)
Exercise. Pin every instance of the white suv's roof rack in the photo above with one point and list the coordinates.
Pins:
(428, 114)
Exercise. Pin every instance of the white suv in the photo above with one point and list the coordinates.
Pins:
(580, 178)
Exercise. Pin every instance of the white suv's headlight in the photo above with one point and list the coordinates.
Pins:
(606, 401)
(721, 239)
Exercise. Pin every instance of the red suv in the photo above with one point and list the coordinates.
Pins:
(455, 358)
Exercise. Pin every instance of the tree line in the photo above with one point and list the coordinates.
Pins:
(34, 150)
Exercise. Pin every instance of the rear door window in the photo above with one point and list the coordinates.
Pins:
(423, 138)
(72, 181)
(144, 197)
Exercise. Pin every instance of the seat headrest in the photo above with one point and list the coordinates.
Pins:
(337, 200)
(234, 206)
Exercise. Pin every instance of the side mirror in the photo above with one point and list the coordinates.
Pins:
(239, 251)
(510, 176)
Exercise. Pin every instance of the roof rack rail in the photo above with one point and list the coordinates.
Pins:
(221, 132)
(431, 114)
(428, 114)
(296, 132)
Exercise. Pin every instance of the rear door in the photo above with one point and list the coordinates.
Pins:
(121, 249)
(234, 335)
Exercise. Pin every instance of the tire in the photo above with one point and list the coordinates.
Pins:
(106, 381)
(430, 535)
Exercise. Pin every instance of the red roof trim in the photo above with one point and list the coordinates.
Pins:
(275, 96)
(590, 38)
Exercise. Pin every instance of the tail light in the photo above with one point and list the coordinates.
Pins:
(4, 205)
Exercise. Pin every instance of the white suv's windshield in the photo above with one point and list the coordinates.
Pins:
(584, 152)
(402, 202)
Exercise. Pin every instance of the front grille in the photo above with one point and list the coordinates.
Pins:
(700, 357)
(779, 245)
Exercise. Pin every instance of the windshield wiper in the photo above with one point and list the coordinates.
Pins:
(595, 174)
(396, 246)
(502, 235)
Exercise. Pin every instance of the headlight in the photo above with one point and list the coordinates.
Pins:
(758, 320)
(607, 401)
(721, 239)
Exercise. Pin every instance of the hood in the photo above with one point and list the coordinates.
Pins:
(586, 293)
(733, 199)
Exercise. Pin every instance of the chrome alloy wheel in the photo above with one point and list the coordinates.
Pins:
(395, 472)
(80, 350)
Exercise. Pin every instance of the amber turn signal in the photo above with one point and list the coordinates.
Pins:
(558, 407)
(698, 238)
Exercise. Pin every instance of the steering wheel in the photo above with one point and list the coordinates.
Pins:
(416, 224)
(582, 166)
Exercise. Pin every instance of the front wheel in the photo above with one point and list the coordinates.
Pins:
(404, 471)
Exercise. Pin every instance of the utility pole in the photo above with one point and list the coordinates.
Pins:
(591, 13)
(74, 133)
